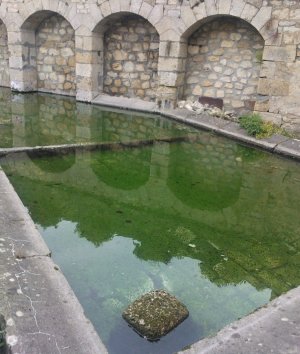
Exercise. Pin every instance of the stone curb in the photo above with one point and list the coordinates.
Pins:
(274, 328)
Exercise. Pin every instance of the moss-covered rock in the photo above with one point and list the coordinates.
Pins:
(155, 314)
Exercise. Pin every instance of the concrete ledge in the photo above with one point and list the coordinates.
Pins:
(290, 148)
(134, 104)
(272, 329)
(41, 310)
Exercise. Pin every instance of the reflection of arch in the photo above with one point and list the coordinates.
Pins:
(204, 179)
(130, 56)
(126, 169)
(49, 53)
(224, 60)
(51, 161)
(49, 120)
(4, 56)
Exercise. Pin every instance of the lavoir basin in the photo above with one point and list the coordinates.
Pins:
(211, 221)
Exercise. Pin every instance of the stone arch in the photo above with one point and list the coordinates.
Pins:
(224, 58)
(130, 51)
(4, 56)
(48, 53)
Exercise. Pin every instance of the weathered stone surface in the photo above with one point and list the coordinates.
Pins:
(285, 54)
(131, 59)
(155, 314)
(4, 55)
(221, 53)
(273, 87)
(55, 46)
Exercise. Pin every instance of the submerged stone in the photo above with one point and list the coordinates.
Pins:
(155, 314)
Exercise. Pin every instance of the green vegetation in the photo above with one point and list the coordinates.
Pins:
(259, 56)
(255, 126)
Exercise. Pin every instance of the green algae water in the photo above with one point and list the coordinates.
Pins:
(212, 222)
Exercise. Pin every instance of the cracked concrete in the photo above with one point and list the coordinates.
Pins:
(42, 313)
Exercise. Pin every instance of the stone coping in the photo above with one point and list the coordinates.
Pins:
(44, 315)
(274, 328)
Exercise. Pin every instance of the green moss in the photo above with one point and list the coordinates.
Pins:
(255, 126)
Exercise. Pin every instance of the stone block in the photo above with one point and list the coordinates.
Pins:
(155, 314)
(237, 7)
(249, 12)
(262, 106)
(145, 10)
(211, 8)
(285, 54)
(135, 6)
(224, 6)
(187, 15)
(268, 87)
(262, 17)
(156, 14)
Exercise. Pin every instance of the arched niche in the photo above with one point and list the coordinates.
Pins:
(49, 53)
(224, 57)
(130, 50)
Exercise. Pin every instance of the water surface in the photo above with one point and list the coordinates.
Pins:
(211, 221)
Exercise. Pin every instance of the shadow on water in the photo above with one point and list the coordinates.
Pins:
(125, 340)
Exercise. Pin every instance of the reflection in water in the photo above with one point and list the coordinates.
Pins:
(205, 175)
(61, 163)
(38, 119)
(112, 168)
(226, 246)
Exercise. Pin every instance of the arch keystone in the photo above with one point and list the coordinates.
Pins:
(224, 7)
(115, 6)
(211, 8)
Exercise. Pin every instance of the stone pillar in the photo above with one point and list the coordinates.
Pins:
(171, 72)
(22, 60)
(89, 64)
(4, 57)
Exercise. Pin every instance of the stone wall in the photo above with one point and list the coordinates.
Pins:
(4, 64)
(130, 59)
(224, 60)
(277, 22)
(55, 46)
